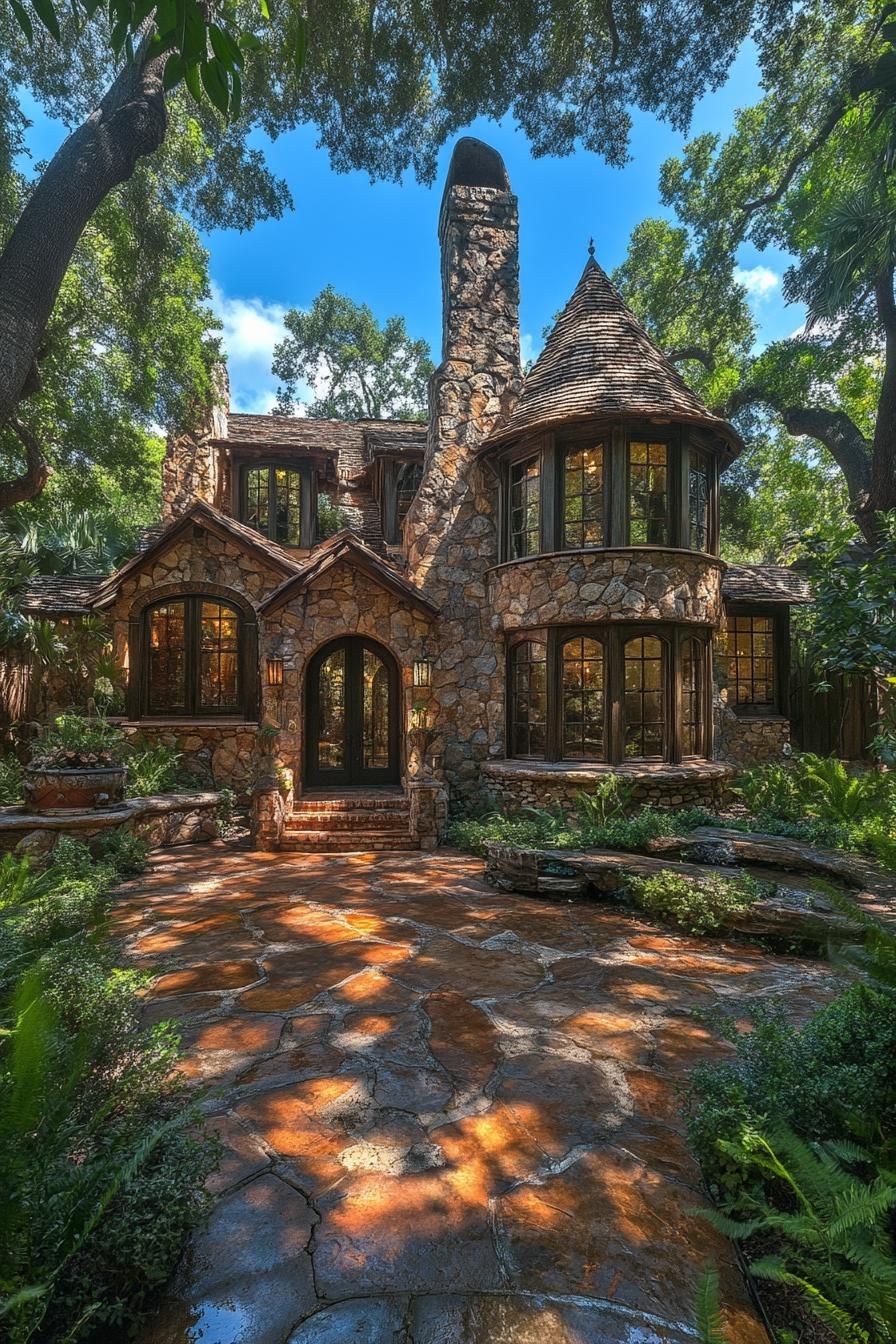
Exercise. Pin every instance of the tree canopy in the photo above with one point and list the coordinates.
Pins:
(808, 168)
(357, 368)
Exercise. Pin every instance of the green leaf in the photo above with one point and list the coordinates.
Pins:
(194, 46)
(215, 84)
(265, 11)
(46, 12)
(249, 42)
(23, 20)
(174, 71)
(236, 95)
(192, 81)
(225, 48)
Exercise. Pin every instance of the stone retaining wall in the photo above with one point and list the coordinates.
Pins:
(605, 585)
(163, 821)
(516, 784)
(751, 740)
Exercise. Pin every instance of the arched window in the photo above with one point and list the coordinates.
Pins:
(272, 503)
(583, 699)
(692, 661)
(193, 658)
(528, 698)
(645, 698)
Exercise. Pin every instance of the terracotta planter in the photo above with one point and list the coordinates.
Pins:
(51, 793)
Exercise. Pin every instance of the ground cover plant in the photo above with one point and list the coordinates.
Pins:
(102, 1168)
(796, 1135)
(697, 905)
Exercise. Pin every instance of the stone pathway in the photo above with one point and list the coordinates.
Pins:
(449, 1116)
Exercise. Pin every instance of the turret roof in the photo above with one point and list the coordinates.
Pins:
(600, 361)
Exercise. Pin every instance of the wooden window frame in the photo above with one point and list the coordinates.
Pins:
(246, 709)
(780, 619)
(551, 450)
(307, 500)
(614, 637)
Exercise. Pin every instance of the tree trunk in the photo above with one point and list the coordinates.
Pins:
(129, 123)
(882, 492)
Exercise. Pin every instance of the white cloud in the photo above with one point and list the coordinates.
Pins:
(759, 281)
(251, 330)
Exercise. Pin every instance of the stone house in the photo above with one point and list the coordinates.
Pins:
(528, 595)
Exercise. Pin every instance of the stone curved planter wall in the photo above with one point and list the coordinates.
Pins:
(161, 821)
(517, 784)
(607, 585)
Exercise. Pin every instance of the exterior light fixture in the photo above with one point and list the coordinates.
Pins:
(275, 671)
(422, 671)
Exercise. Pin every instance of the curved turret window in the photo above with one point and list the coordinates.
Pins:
(648, 492)
(607, 692)
(583, 496)
(525, 507)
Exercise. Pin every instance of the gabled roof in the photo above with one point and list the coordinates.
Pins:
(58, 594)
(765, 583)
(599, 361)
(345, 548)
(306, 431)
(219, 524)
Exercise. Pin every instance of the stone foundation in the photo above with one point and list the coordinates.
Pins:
(429, 812)
(217, 754)
(517, 784)
(163, 821)
(751, 739)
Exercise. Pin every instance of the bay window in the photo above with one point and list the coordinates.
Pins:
(609, 693)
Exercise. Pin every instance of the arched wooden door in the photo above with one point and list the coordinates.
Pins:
(351, 724)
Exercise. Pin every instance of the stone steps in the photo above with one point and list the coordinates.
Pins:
(346, 823)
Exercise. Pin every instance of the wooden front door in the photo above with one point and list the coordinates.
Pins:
(352, 715)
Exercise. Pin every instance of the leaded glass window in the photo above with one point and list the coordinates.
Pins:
(644, 698)
(529, 698)
(525, 508)
(583, 496)
(273, 503)
(648, 468)
(751, 662)
(193, 656)
(583, 699)
(698, 501)
(692, 665)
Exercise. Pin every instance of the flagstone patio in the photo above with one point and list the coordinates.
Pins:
(449, 1115)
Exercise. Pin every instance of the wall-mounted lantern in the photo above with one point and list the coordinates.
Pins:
(274, 669)
(423, 671)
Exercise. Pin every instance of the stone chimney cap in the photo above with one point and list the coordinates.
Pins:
(476, 164)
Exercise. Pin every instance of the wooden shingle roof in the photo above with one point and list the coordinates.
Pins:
(765, 583)
(58, 594)
(599, 361)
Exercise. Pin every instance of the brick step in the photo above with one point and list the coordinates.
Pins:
(345, 842)
(359, 803)
(367, 820)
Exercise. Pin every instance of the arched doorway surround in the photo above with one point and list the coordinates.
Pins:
(351, 715)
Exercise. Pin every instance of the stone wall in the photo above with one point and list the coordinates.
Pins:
(170, 819)
(517, 784)
(218, 755)
(450, 530)
(600, 585)
(751, 739)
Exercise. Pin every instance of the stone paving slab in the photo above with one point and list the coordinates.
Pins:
(449, 1116)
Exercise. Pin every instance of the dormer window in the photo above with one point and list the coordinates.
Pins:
(278, 501)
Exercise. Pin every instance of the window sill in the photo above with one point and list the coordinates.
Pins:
(640, 549)
(584, 772)
(222, 721)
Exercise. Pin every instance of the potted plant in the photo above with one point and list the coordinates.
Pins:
(76, 766)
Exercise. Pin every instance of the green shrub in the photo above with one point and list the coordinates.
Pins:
(10, 781)
(824, 1081)
(76, 740)
(152, 769)
(125, 852)
(697, 905)
(102, 1166)
(598, 825)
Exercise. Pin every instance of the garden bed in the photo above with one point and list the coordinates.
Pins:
(160, 821)
(790, 913)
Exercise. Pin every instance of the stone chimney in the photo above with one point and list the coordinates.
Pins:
(478, 381)
(190, 469)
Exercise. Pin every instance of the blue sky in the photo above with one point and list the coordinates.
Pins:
(377, 242)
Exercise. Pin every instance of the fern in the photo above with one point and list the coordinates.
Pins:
(707, 1310)
(836, 1245)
